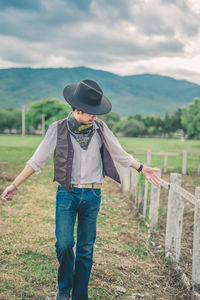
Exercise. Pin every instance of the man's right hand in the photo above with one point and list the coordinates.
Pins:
(9, 192)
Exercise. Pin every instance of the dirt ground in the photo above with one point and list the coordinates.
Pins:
(129, 261)
(132, 260)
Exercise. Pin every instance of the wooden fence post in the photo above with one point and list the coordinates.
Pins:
(148, 157)
(145, 197)
(43, 124)
(146, 185)
(174, 219)
(198, 170)
(196, 243)
(139, 203)
(133, 184)
(165, 162)
(125, 179)
(154, 203)
(184, 162)
(23, 120)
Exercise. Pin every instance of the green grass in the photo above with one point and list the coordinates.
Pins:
(157, 144)
(174, 163)
(28, 258)
(18, 149)
(29, 141)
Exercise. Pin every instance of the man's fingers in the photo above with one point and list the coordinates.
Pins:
(3, 196)
(8, 194)
(155, 169)
(7, 197)
(153, 179)
(150, 175)
(157, 179)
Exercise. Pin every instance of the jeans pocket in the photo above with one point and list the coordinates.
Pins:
(96, 192)
(64, 199)
(61, 190)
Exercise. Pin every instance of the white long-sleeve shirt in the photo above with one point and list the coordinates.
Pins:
(87, 164)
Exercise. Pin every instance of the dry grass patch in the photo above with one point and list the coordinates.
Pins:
(128, 263)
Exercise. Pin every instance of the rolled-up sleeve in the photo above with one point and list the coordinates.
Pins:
(118, 154)
(45, 149)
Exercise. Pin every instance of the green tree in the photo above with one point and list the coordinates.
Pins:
(10, 118)
(52, 109)
(167, 125)
(132, 127)
(190, 118)
(153, 125)
(112, 119)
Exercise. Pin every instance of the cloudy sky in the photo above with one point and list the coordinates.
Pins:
(120, 36)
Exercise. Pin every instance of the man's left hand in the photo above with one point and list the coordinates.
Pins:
(149, 174)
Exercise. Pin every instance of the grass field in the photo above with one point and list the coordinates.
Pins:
(174, 164)
(126, 265)
(165, 145)
(18, 149)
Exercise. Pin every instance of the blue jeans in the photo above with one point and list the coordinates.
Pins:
(75, 273)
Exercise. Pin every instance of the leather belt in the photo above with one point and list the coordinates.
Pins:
(87, 186)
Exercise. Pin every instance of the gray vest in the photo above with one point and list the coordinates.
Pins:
(64, 153)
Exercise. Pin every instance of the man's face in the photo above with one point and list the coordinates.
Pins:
(85, 118)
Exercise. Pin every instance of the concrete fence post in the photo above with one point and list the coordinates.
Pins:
(154, 203)
(174, 219)
(184, 162)
(196, 243)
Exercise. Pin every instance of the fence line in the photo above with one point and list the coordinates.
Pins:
(175, 211)
(165, 155)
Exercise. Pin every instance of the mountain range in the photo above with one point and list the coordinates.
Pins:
(144, 94)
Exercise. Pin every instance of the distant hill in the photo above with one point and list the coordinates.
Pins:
(144, 94)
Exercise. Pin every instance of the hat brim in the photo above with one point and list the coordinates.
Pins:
(103, 108)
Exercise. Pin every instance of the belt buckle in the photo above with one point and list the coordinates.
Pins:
(80, 186)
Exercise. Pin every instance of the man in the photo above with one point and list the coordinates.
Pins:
(84, 149)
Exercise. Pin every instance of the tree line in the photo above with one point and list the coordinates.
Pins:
(183, 122)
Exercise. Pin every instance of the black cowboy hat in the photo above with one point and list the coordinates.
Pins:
(88, 97)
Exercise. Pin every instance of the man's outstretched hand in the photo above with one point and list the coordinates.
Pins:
(150, 174)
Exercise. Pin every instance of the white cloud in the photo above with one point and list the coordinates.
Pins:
(126, 37)
(179, 68)
(53, 61)
(194, 5)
